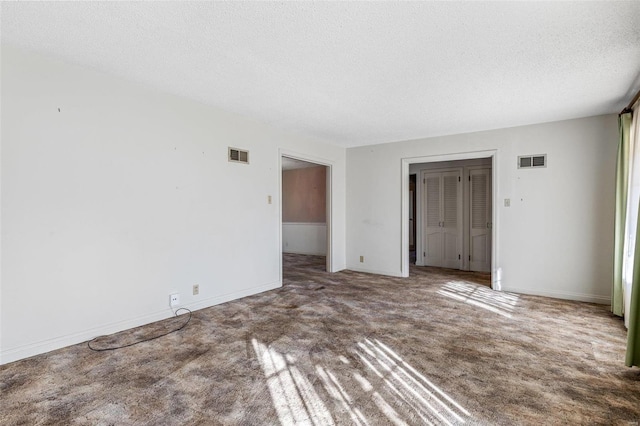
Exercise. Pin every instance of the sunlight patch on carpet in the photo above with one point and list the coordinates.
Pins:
(498, 302)
(409, 387)
(337, 391)
(294, 398)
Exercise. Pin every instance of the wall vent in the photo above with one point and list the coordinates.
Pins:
(532, 161)
(238, 155)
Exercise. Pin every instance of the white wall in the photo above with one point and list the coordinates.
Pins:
(304, 238)
(556, 239)
(125, 196)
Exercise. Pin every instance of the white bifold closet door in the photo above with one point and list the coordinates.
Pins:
(443, 217)
(480, 220)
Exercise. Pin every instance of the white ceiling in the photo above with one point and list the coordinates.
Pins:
(357, 73)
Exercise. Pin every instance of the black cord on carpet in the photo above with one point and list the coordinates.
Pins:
(144, 340)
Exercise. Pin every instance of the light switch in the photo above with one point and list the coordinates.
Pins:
(507, 202)
(269, 199)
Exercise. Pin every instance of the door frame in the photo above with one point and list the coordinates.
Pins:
(328, 195)
(404, 216)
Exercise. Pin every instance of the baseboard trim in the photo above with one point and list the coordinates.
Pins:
(304, 252)
(376, 272)
(217, 300)
(578, 297)
(37, 348)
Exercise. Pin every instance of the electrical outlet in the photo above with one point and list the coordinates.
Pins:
(361, 259)
(174, 299)
(196, 289)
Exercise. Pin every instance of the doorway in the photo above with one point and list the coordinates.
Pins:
(412, 217)
(305, 213)
(469, 245)
(455, 220)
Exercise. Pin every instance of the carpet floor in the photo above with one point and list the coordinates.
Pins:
(439, 347)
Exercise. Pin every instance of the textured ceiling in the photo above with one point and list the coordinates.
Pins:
(357, 73)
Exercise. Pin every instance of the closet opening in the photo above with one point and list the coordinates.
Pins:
(450, 204)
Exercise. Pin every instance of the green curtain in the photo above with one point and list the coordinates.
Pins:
(622, 187)
(633, 333)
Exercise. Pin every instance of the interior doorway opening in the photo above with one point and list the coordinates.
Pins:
(412, 217)
(305, 212)
(455, 213)
(454, 220)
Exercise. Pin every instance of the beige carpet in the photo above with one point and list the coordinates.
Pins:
(346, 348)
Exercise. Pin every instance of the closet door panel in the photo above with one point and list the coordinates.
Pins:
(452, 218)
(480, 218)
(443, 218)
(433, 248)
(432, 208)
